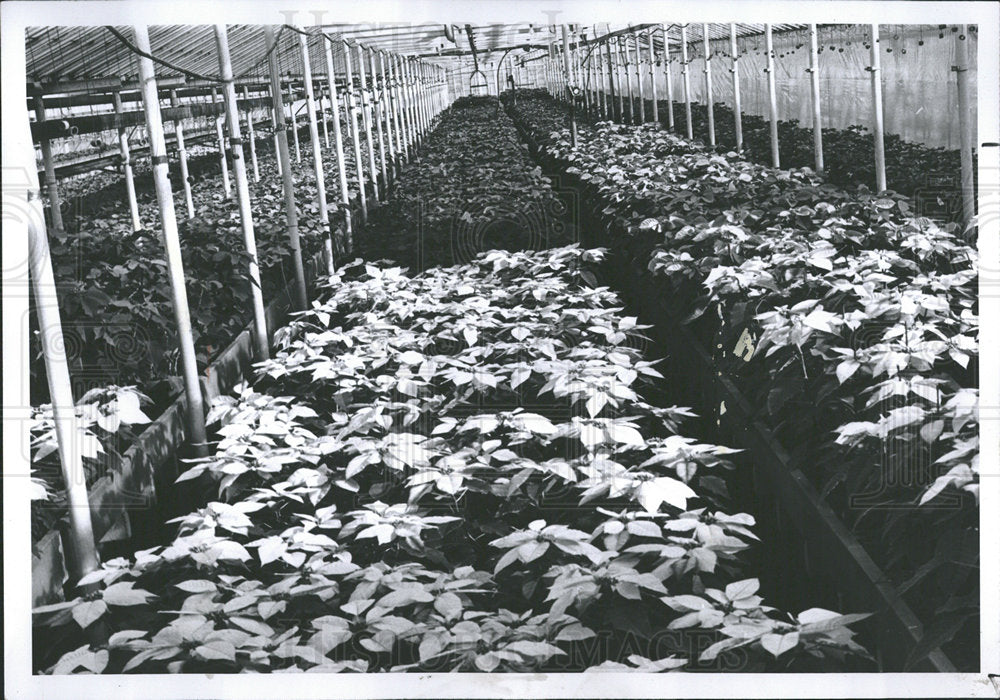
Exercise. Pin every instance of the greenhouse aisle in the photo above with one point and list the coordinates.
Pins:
(788, 287)
(413, 439)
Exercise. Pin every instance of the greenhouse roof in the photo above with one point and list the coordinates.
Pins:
(57, 55)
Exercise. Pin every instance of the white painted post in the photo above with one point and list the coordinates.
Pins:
(251, 136)
(243, 191)
(737, 115)
(877, 119)
(51, 184)
(965, 127)
(195, 410)
(352, 110)
(814, 83)
(182, 157)
(285, 167)
(772, 98)
(83, 555)
(687, 82)
(338, 142)
(708, 85)
(324, 213)
(123, 149)
(666, 76)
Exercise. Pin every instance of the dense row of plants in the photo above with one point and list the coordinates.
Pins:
(115, 301)
(928, 175)
(450, 472)
(473, 188)
(857, 320)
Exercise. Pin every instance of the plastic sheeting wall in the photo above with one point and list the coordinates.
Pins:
(920, 101)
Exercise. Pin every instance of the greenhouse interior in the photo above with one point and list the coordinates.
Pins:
(514, 348)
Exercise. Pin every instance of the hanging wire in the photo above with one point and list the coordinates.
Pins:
(190, 73)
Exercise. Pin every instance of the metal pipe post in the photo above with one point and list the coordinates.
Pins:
(324, 213)
(243, 191)
(652, 80)
(133, 204)
(772, 97)
(195, 410)
(708, 85)
(182, 157)
(667, 79)
(251, 136)
(814, 84)
(965, 127)
(352, 110)
(687, 82)
(51, 184)
(285, 168)
(338, 142)
(877, 119)
(735, 70)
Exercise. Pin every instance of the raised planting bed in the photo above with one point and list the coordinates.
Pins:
(929, 176)
(450, 472)
(473, 188)
(845, 323)
(128, 457)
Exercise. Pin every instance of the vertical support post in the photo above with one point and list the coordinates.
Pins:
(965, 127)
(652, 80)
(628, 79)
(404, 121)
(324, 213)
(397, 111)
(772, 97)
(569, 86)
(814, 83)
(615, 114)
(133, 204)
(323, 119)
(667, 79)
(638, 81)
(708, 85)
(366, 115)
(242, 190)
(223, 162)
(51, 184)
(411, 101)
(251, 136)
(294, 120)
(338, 142)
(182, 157)
(352, 111)
(404, 89)
(877, 119)
(687, 82)
(195, 414)
(735, 70)
(602, 97)
(377, 116)
(284, 161)
(84, 557)
(387, 112)
(275, 99)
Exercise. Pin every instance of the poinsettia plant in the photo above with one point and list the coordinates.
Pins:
(370, 506)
